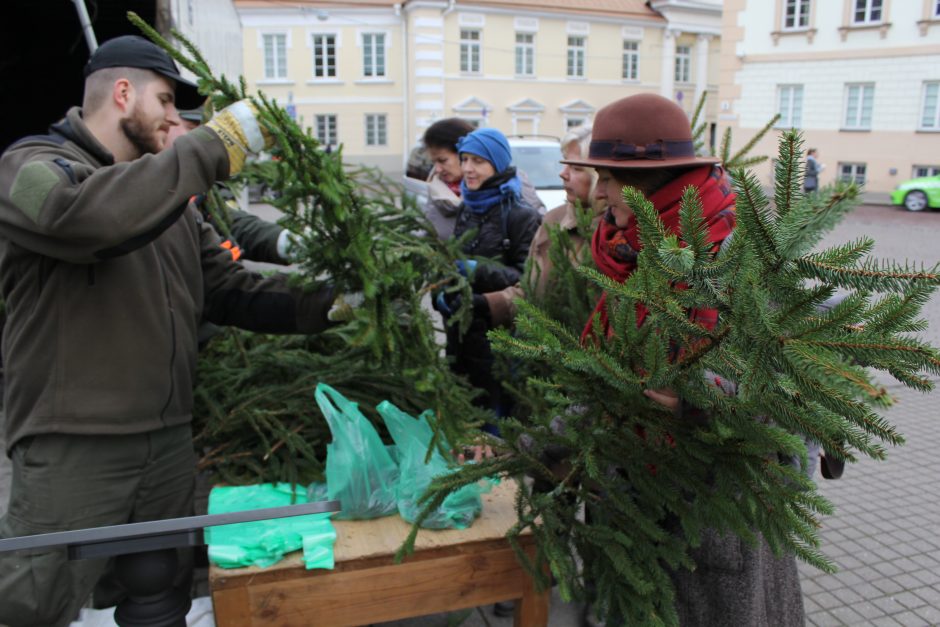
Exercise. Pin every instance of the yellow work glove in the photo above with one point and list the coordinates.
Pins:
(238, 128)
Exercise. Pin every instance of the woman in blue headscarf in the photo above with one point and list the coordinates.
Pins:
(503, 227)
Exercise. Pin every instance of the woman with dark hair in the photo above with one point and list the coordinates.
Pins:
(645, 142)
(440, 140)
(502, 228)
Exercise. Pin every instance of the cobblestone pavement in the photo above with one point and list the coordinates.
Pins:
(885, 534)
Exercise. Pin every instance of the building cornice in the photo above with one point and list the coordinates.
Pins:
(604, 18)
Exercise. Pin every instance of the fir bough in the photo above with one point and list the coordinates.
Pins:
(358, 231)
(778, 367)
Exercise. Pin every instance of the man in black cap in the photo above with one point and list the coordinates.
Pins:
(106, 272)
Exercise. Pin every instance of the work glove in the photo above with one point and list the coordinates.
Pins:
(449, 303)
(289, 246)
(238, 127)
(344, 307)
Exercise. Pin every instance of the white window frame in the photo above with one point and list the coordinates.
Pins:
(322, 48)
(852, 171)
(930, 107)
(919, 171)
(683, 64)
(326, 125)
(790, 106)
(868, 8)
(577, 54)
(631, 60)
(853, 117)
(376, 129)
(471, 50)
(374, 57)
(525, 54)
(801, 11)
(278, 71)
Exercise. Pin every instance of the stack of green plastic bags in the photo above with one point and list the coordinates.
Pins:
(367, 479)
(264, 542)
(370, 481)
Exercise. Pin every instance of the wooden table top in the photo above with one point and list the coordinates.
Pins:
(381, 537)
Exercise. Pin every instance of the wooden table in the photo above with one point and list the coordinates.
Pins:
(449, 570)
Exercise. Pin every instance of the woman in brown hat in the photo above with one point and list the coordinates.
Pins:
(645, 141)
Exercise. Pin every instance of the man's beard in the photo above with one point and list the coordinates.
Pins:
(137, 133)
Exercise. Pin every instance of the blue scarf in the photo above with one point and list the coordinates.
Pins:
(492, 192)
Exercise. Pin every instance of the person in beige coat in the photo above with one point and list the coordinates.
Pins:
(579, 189)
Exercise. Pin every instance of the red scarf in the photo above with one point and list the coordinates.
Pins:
(615, 249)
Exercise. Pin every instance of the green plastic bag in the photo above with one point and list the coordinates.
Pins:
(413, 436)
(264, 542)
(360, 473)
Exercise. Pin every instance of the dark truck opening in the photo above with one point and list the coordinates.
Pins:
(42, 53)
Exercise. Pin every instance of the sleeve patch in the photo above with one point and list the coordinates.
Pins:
(31, 187)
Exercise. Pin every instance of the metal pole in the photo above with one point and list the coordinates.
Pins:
(86, 26)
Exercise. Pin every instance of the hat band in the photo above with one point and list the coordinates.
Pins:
(663, 149)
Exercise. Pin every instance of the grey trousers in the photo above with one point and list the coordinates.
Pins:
(63, 482)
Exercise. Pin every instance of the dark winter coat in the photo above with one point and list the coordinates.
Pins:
(500, 246)
(106, 271)
(811, 176)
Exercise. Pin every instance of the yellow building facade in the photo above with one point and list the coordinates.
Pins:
(374, 75)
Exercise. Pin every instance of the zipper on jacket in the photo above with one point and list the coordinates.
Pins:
(169, 305)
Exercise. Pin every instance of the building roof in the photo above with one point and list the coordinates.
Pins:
(635, 9)
(286, 5)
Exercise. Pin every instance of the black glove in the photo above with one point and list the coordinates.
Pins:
(449, 302)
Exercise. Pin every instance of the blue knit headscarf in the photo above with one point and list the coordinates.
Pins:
(491, 145)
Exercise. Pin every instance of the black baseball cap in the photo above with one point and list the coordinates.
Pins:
(135, 51)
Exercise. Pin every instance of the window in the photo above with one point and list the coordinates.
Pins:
(925, 170)
(858, 105)
(796, 14)
(324, 56)
(867, 12)
(470, 51)
(576, 50)
(631, 60)
(326, 129)
(571, 123)
(790, 106)
(275, 56)
(373, 54)
(930, 111)
(376, 129)
(683, 63)
(849, 172)
(936, 9)
(525, 54)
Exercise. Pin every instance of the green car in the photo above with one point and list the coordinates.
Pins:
(918, 194)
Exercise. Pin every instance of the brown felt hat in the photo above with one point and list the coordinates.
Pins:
(642, 131)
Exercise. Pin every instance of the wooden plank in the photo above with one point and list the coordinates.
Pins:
(231, 608)
(384, 593)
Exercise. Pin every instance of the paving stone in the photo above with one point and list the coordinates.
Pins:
(909, 600)
(930, 613)
(884, 621)
(827, 600)
(888, 605)
(847, 615)
(826, 619)
(910, 619)
(868, 611)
